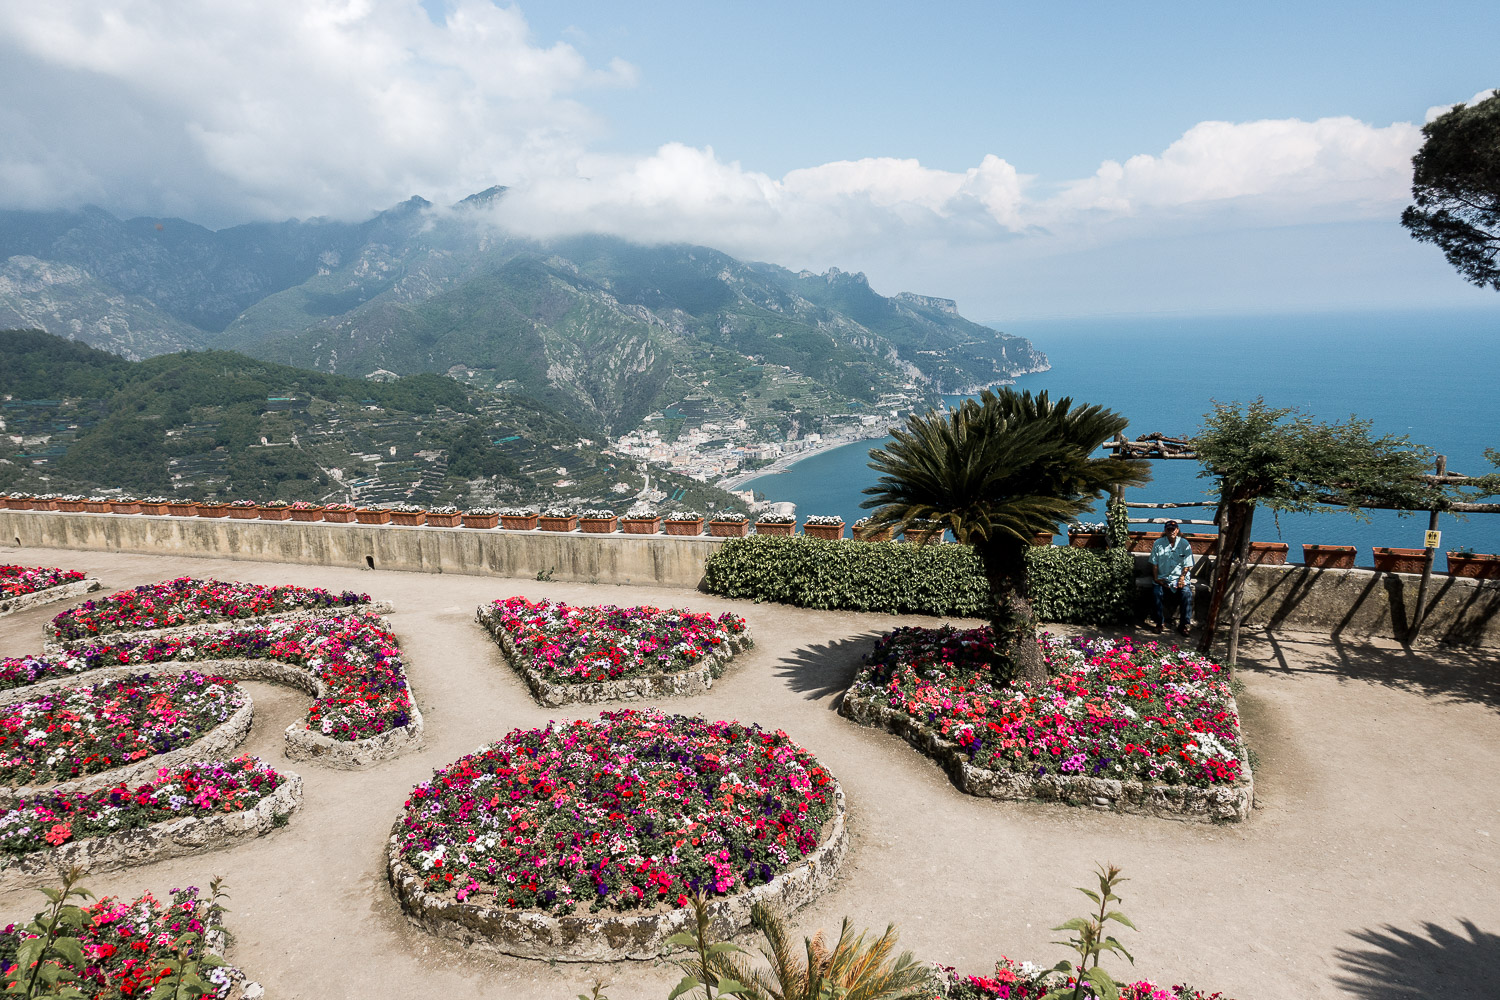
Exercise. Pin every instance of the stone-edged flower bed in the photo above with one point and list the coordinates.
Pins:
(1147, 729)
(1014, 980)
(125, 942)
(603, 653)
(362, 711)
(23, 587)
(197, 807)
(79, 730)
(581, 841)
(187, 603)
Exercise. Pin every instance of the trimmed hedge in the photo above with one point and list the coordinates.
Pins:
(1082, 586)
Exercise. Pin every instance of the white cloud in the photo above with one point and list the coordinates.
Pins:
(1438, 110)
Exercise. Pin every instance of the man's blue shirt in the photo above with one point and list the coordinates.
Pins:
(1171, 559)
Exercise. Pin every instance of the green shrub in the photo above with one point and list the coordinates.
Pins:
(1085, 586)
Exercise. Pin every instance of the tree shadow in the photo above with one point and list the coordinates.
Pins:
(1470, 675)
(1397, 964)
(825, 669)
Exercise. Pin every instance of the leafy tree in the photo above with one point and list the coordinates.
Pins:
(1456, 186)
(1283, 459)
(996, 472)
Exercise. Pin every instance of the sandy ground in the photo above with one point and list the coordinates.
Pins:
(1369, 868)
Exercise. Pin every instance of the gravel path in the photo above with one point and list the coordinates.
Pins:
(1368, 869)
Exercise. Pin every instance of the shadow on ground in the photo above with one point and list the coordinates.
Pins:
(1434, 671)
(825, 669)
(1396, 964)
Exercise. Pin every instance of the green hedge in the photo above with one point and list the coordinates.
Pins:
(1084, 586)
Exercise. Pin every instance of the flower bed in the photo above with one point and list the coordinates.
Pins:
(183, 810)
(1014, 980)
(24, 587)
(81, 730)
(362, 710)
(128, 945)
(1133, 728)
(186, 601)
(599, 653)
(538, 844)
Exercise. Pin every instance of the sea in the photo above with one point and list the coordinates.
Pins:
(1432, 376)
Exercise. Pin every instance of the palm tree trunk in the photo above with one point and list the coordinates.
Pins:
(1012, 619)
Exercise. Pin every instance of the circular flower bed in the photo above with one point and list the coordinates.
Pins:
(87, 729)
(17, 581)
(631, 811)
(186, 601)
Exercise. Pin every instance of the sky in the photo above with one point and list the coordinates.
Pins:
(1030, 161)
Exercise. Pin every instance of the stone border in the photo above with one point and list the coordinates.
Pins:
(679, 684)
(1228, 803)
(55, 645)
(608, 937)
(48, 595)
(172, 838)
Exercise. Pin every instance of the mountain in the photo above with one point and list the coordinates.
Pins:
(220, 424)
(606, 330)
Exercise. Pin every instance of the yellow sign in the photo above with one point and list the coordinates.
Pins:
(1434, 539)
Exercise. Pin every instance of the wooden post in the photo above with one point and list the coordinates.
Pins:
(1241, 571)
(1419, 613)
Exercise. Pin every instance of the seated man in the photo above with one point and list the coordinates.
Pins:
(1171, 568)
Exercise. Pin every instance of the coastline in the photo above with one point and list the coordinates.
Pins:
(739, 481)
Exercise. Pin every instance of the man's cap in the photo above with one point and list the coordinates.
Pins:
(1169, 524)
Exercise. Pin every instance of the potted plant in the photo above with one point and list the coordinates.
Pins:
(640, 521)
(1475, 566)
(443, 517)
(728, 524)
(44, 501)
(922, 533)
(1389, 560)
(408, 515)
(557, 519)
(372, 515)
(825, 526)
(339, 513)
(71, 503)
(1328, 556)
(598, 521)
(275, 510)
(303, 510)
(775, 524)
(244, 510)
(518, 518)
(18, 501)
(1042, 539)
(684, 522)
(862, 531)
(1268, 553)
(125, 505)
(213, 508)
(96, 505)
(481, 517)
(182, 507)
(1088, 535)
(155, 505)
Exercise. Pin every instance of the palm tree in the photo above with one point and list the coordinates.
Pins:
(996, 472)
(849, 970)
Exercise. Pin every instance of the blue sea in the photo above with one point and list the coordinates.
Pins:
(1433, 376)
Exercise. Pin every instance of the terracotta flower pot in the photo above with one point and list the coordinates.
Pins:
(1328, 556)
(923, 536)
(70, 506)
(338, 516)
(372, 515)
(182, 509)
(557, 523)
(481, 520)
(306, 513)
(96, 507)
(275, 514)
(443, 520)
(1042, 539)
(154, 508)
(640, 525)
(518, 522)
(1388, 560)
(1141, 541)
(1203, 545)
(213, 510)
(244, 513)
(865, 534)
(125, 508)
(827, 532)
(1268, 553)
(408, 518)
(1088, 540)
(1480, 566)
(598, 525)
(17, 503)
(684, 527)
(761, 528)
(728, 529)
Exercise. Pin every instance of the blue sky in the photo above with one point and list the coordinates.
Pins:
(1029, 161)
